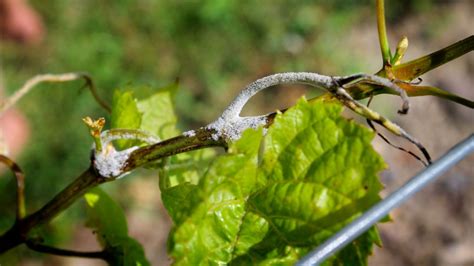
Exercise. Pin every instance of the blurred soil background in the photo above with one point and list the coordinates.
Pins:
(215, 48)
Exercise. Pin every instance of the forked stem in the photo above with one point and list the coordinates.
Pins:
(31, 83)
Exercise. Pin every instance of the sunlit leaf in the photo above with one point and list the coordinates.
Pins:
(125, 114)
(159, 117)
(272, 199)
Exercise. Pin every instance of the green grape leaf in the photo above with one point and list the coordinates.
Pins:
(179, 200)
(156, 108)
(272, 199)
(209, 233)
(185, 168)
(125, 114)
(159, 117)
(108, 221)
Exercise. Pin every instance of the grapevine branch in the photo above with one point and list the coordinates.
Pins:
(230, 125)
(106, 167)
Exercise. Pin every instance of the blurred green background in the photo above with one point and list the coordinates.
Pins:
(214, 47)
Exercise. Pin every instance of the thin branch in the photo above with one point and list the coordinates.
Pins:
(376, 80)
(90, 83)
(31, 83)
(369, 122)
(64, 252)
(88, 179)
(18, 233)
(20, 186)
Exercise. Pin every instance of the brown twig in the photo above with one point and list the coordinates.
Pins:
(20, 186)
(33, 245)
(369, 122)
(18, 234)
(31, 83)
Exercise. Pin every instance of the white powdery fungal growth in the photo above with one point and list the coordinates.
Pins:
(232, 129)
(313, 79)
(110, 164)
(190, 133)
(118, 134)
(230, 125)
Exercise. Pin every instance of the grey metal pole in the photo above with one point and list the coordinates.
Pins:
(381, 209)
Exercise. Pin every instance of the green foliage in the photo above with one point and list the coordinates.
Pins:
(125, 114)
(108, 221)
(159, 117)
(154, 113)
(271, 199)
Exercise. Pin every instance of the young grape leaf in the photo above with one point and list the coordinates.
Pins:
(108, 221)
(272, 199)
(154, 113)
(125, 114)
(159, 117)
